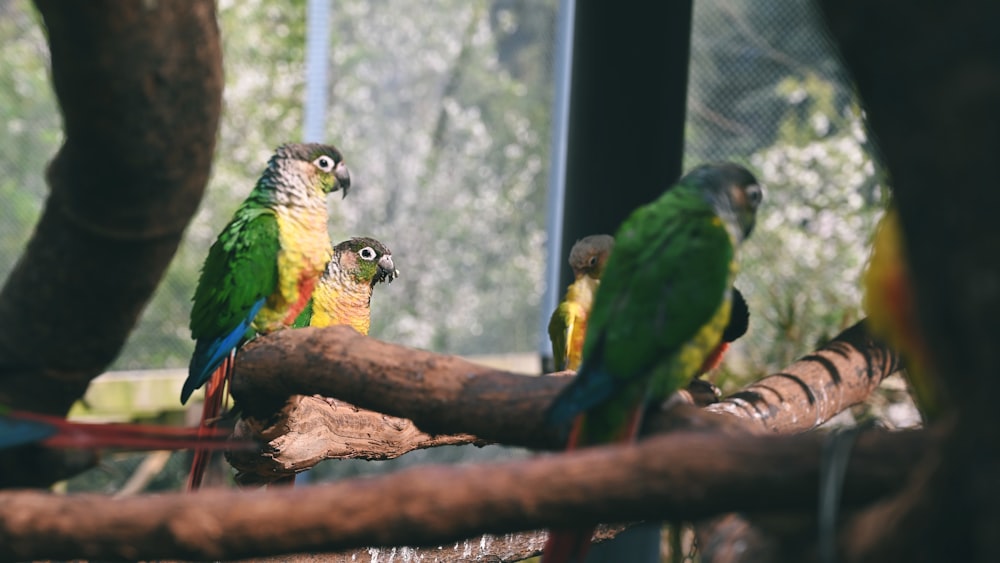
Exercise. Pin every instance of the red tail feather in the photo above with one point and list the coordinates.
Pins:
(715, 358)
(124, 436)
(564, 546)
(215, 393)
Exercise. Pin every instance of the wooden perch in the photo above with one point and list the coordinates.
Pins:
(928, 75)
(334, 362)
(683, 475)
(440, 394)
(814, 389)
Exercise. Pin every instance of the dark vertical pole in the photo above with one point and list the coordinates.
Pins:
(627, 111)
(625, 124)
(625, 141)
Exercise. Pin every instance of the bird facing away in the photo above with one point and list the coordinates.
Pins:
(890, 303)
(261, 270)
(568, 323)
(344, 293)
(659, 313)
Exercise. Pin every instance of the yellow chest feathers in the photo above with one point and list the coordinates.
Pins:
(305, 250)
(342, 304)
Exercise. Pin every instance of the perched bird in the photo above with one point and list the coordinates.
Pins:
(260, 272)
(739, 322)
(20, 427)
(344, 293)
(568, 324)
(662, 307)
(890, 303)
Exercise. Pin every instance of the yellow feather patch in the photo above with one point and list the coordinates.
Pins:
(305, 250)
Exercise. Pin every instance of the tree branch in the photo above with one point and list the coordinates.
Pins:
(140, 87)
(684, 475)
(928, 75)
(341, 363)
(814, 389)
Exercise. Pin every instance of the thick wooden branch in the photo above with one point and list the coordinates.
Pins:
(684, 475)
(928, 75)
(140, 88)
(308, 430)
(814, 389)
(440, 394)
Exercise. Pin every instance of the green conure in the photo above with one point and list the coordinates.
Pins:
(660, 312)
(261, 270)
(568, 324)
(344, 293)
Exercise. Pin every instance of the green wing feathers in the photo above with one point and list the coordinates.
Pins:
(241, 269)
(668, 275)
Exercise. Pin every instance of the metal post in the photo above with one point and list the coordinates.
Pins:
(314, 112)
(557, 174)
(617, 146)
(618, 129)
(317, 62)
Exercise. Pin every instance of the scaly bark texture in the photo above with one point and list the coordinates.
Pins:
(140, 88)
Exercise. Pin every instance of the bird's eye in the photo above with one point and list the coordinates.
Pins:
(754, 194)
(368, 253)
(324, 163)
(593, 261)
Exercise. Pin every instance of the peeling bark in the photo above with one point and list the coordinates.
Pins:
(484, 549)
(310, 429)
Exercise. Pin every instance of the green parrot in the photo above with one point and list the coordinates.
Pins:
(344, 293)
(659, 314)
(568, 324)
(260, 272)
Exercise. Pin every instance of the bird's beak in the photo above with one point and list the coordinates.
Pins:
(343, 176)
(386, 270)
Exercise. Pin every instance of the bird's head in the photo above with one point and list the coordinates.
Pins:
(590, 254)
(316, 166)
(733, 192)
(367, 260)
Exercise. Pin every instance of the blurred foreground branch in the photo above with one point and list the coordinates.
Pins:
(683, 475)
(140, 89)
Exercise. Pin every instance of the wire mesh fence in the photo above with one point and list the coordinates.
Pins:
(444, 115)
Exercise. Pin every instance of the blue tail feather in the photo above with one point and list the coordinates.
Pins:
(15, 432)
(591, 387)
(208, 354)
